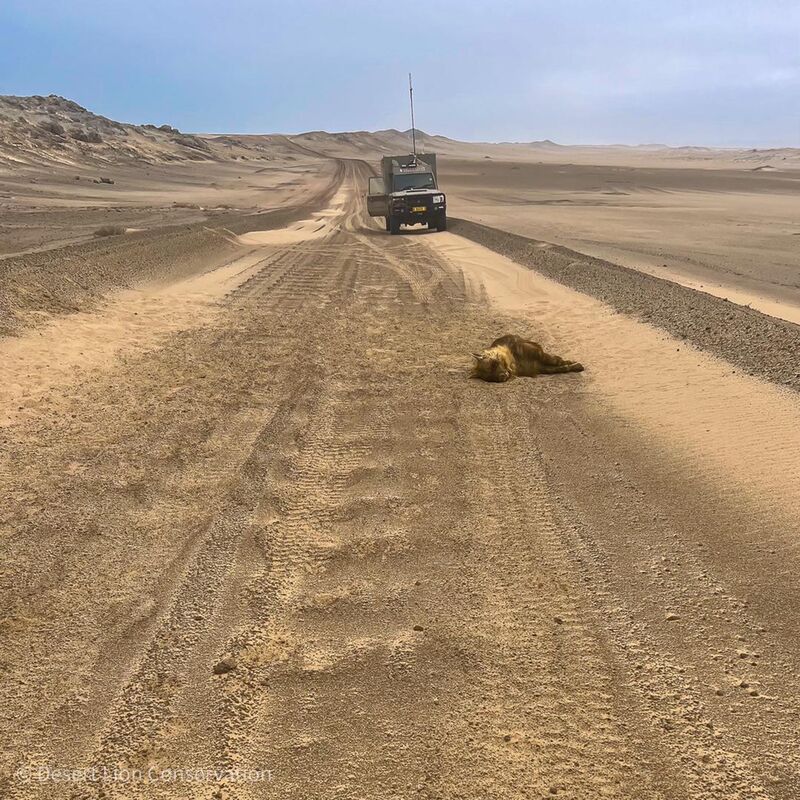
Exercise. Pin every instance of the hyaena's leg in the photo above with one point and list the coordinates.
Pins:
(553, 361)
(564, 366)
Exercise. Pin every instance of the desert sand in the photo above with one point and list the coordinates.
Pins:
(56, 189)
(732, 231)
(258, 521)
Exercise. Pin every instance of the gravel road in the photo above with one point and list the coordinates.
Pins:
(284, 541)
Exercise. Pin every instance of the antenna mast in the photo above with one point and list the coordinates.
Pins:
(413, 132)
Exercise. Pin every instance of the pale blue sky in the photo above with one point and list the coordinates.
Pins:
(715, 72)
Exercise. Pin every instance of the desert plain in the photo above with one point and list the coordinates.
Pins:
(256, 518)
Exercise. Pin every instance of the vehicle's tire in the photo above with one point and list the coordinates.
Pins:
(386, 222)
(441, 223)
(394, 226)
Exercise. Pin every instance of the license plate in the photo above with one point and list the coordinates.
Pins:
(418, 208)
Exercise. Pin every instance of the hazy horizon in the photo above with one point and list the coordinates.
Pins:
(714, 74)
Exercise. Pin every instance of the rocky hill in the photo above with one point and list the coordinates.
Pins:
(39, 129)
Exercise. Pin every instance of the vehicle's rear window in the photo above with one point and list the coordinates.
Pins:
(417, 180)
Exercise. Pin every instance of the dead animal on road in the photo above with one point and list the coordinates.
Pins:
(512, 356)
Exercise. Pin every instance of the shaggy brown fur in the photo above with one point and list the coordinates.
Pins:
(510, 356)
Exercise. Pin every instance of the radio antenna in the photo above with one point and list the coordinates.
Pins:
(413, 132)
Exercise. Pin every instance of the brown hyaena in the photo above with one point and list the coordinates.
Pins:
(511, 356)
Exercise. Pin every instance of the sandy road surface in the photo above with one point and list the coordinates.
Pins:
(282, 531)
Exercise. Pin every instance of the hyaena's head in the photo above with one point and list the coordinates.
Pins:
(490, 367)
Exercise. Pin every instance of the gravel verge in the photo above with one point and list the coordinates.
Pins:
(761, 345)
